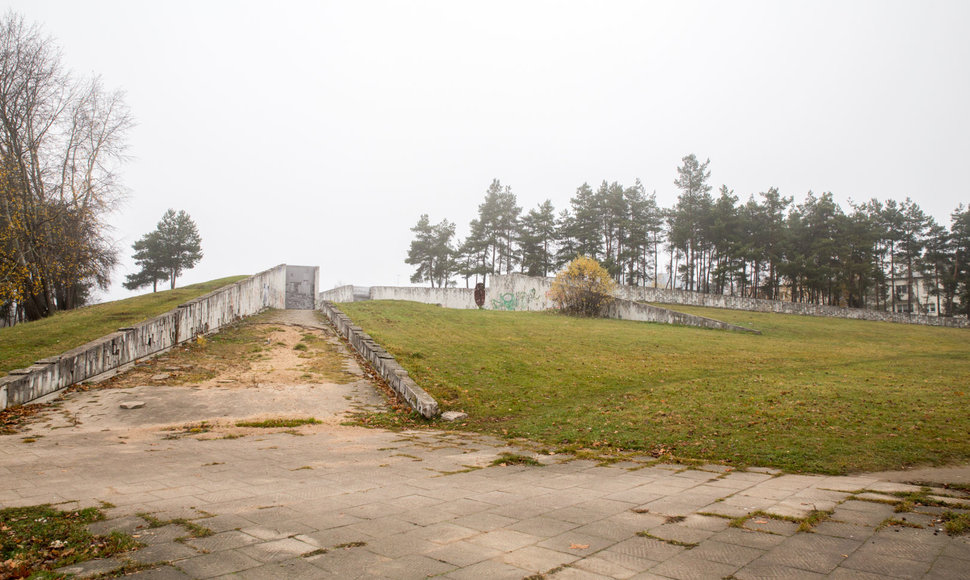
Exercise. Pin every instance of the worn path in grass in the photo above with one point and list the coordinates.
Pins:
(329, 500)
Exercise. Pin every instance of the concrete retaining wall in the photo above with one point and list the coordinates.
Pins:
(462, 298)
(665, 296)
(203, 315)
(520, 292)
(383, 362)
(629, 310)
(338, 294)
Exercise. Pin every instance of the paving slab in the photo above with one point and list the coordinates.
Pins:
(538, 559)
(161, 553)
(690, 565)
(462, 553)
(726, 553)
(492, 569)
(885, 565)
(91, 568)
(160, 573)
(602, 568)
(217, 564)
(811, 552)
(763, 569)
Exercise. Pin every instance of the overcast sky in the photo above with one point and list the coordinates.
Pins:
(317, 132)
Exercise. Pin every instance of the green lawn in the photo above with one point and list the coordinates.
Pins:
(22, 345)
(809, 394)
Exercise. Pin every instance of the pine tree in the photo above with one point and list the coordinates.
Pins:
(173, 247)
(149, 258)
(913, 229)
(537, 236)
(693, 205)
(960, 250)
(493, 232)
(586, 225)
(431, 251)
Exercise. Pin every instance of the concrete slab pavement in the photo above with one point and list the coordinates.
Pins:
(335, 501)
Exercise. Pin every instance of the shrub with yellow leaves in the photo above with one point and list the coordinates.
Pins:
(584, 288)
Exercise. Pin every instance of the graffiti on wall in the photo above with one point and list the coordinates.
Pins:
(515, 300)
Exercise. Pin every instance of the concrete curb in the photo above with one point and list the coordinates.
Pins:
(383, 362)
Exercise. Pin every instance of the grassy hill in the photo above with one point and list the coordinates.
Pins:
(23, 344)
(810, 394)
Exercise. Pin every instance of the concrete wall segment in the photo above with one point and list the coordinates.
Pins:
(203, 315)
(668, 296)
(396, 377)
(518, 292)
(338, 294)
(460, 298)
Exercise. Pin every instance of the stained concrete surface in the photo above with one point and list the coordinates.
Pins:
(331, 500)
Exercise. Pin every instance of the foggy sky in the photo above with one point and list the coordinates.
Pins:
(317, 132)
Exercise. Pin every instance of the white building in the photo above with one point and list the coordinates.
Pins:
(922, 301)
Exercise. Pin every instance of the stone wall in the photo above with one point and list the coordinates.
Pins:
(203, 315)
(382, 361)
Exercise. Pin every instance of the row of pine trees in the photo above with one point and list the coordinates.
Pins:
(767, 247)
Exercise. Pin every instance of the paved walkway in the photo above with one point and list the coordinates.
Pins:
(346, 502)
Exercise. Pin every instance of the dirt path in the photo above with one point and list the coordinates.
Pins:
(296, 368)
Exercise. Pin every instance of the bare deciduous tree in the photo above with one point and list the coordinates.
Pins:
(61, 139)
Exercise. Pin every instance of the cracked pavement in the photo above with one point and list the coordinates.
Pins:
(331, 500)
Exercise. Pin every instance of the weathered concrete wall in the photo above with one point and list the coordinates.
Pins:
(518, 292)
(301, 287)
(383, 362)
(202, 315)
(665, 296)
(338, 294)
(628, 310)
(461, 298)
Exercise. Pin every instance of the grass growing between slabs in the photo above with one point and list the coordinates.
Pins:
(42, 538)
(809, 394)
(279, 422)
(22, 345)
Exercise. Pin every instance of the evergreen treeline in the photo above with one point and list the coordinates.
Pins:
(767, 247)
